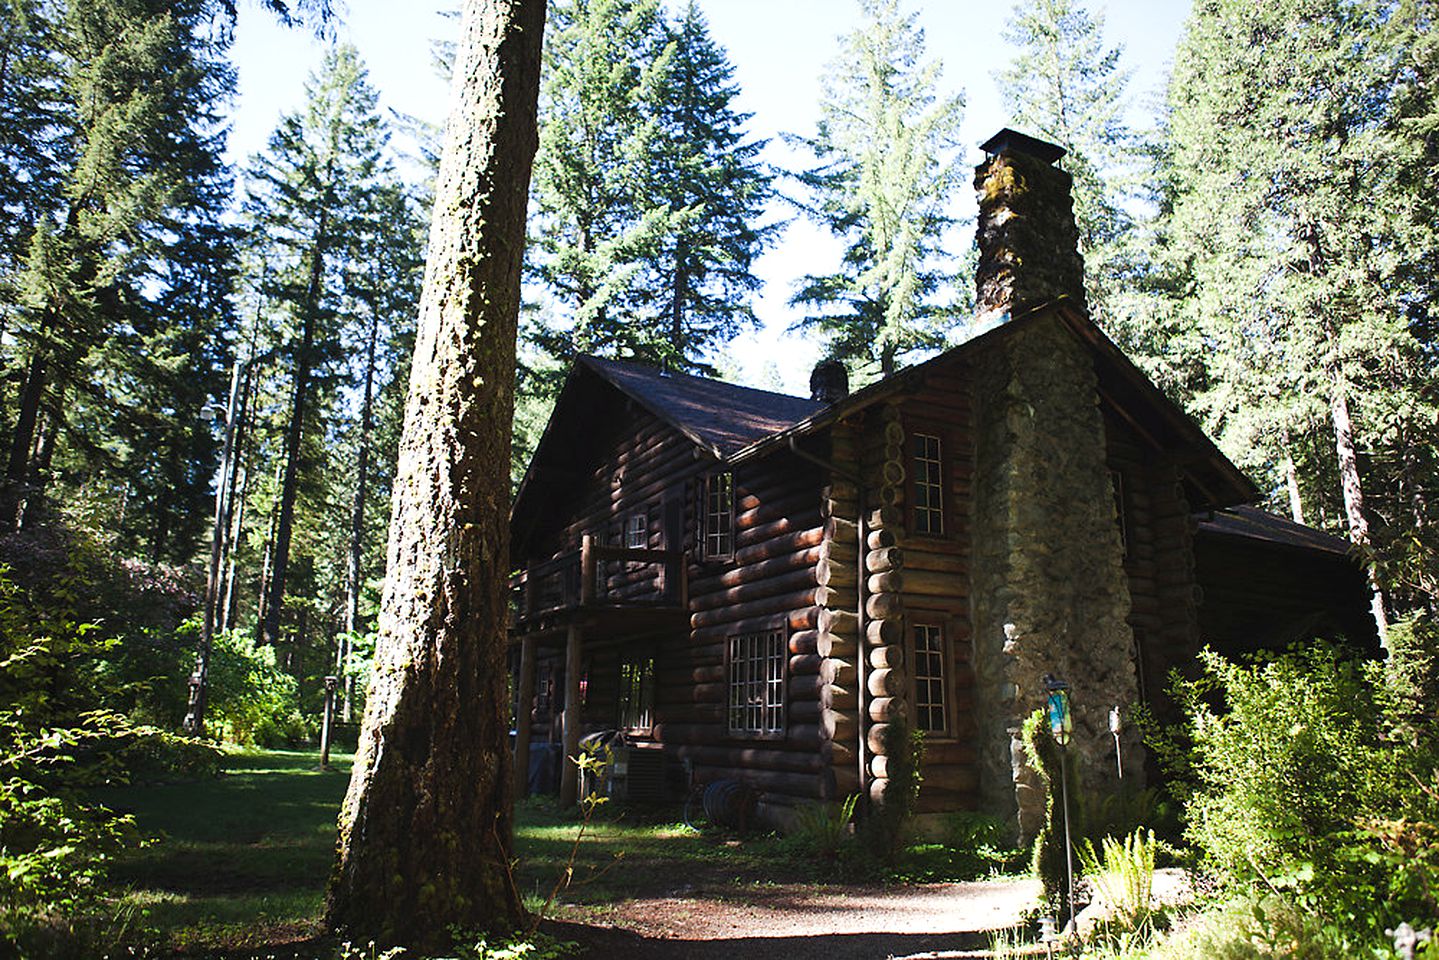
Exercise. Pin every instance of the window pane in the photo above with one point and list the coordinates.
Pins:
(756, 683)
(929, 686)
(928, 485)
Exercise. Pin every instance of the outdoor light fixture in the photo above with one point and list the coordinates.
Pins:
(1116, 726)
(1061, 723)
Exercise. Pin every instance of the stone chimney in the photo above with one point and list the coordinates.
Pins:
(1028, 243)
(828, 382)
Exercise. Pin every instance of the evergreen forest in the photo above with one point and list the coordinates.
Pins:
(204, 361)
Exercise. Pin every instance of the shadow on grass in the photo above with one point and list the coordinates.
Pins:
(237, 861)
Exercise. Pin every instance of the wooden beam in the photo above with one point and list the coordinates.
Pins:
(569, 773)
(522, 718)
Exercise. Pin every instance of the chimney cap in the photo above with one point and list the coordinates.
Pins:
(1008, 139)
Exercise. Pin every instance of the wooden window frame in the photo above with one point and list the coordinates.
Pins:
(943, 623)
(643, 516)
(628, 687)
(709, 514)
(772, 675)
(945, 437)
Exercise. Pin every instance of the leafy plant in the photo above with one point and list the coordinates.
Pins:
(594, 761)
(822, 828)
(1123, 875)
(1047, 859)
(883, 830)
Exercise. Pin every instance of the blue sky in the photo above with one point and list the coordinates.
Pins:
(779, 49)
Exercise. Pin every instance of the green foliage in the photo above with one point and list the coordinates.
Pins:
(1298, 788)
(887, 168)
(1123, 875)
(822, 828)
(519, 946)
(883, 830)
(1063, 85)
(55, 844)
(1256, 926)
(252, 700)
(1047, 858)
(646, 191)
(1294, 259)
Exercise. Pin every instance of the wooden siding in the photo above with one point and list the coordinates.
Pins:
(1159, 559)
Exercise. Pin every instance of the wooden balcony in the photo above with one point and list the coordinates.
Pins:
(599, 578)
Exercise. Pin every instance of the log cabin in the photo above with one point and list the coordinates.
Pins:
(757, 586)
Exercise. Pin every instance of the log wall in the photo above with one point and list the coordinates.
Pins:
(1158, 534)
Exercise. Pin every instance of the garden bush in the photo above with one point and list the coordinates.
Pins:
(1300, 788)
(251, 699)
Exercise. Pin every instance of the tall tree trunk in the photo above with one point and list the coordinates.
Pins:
(267, 561)
(680, 296)
(353, 579)
(425, 831)
(294, 438)
(22, 440)
(1354, 497)
(1291, 483)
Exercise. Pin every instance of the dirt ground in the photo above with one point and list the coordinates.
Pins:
(804, 922)
(784, 922)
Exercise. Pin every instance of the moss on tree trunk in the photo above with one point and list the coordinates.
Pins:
(425, 832)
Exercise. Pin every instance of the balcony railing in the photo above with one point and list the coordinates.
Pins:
(582, 578)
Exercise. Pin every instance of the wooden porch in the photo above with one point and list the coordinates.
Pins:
(594, 592)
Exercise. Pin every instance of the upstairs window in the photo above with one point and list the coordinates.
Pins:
(928, 485)
(930, 707)
(719, 517)
(756, 683)
(637, 531)
(637, 694)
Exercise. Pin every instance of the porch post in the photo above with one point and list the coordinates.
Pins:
(569, 773)
(523, 710)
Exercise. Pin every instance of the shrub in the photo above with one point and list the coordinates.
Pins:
(1047, 859)
(251, 700)
(884, 828)
(822, 828)
(1124, 875)
(1298, 790)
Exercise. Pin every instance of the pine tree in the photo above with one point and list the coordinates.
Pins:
(310, 196)
(1064, 85)
(131, 173)
(1280, 157)
(887, 152)
(707, 180)
(602, 60)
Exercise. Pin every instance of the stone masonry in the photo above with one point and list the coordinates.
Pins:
(1050, 590)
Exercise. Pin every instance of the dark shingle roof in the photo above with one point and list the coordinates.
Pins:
(1252, 523)
(721, 417)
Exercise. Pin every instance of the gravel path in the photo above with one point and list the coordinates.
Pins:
(806, 923)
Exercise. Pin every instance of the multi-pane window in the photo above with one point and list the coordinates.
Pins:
(719, 517)
(637, 693)
(756, 683)
(928, 485)
(637, 531)
(929, 699)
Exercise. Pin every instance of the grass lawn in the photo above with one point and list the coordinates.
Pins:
(242, 860)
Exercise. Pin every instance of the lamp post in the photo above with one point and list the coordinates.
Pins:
(194, 723)
(1061, 724)
(1116, 727)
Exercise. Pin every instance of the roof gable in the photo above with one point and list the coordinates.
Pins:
(721, 418)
